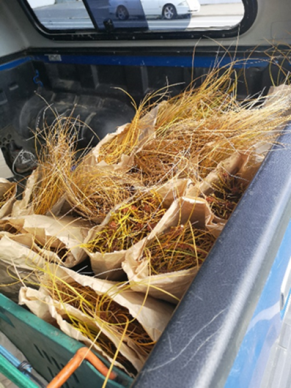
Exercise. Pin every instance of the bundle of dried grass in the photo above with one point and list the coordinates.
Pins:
(165, 262)
(121, 323)
(130, 136)
(102, 307)
(56, 162)
(216, 94)
(198, 129)
(129, 223)
(241, 131)
(226, 195)
(161, 160)
(7, 196)
(93, 192)
(180, 248)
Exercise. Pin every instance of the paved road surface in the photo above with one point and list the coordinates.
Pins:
(75, 16)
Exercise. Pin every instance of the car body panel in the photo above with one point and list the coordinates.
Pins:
(251, 361)
(154, 8)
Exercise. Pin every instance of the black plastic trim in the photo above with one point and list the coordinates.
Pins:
(200, 344)
(88, 9)
(232, 53)
(251, 9)
(211, 51)
(12, 57)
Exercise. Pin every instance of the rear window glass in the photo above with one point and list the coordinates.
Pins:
(61, 15)
(113, 16)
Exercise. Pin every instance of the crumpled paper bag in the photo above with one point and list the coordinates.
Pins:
(147, 130)
(108, 265)
(24, 206)
(44, 307)
(171, 286)
(231, 166)
(63, 236)
(19, 263)
(153, 315)
(5, 185)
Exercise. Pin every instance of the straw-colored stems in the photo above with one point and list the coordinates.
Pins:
(182, 247)
(130, 223)
(103, 309)
(93, 192)
(226, 195)
(6, 196)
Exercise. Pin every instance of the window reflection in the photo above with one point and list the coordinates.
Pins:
(61, 14)
(153, 15)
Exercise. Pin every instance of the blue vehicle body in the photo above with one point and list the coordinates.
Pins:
(265, 326)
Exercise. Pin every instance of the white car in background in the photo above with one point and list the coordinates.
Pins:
(123, 9)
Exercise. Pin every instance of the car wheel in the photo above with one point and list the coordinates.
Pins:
(169, 12)
(122, 13)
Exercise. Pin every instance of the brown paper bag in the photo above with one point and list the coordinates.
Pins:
(194, 209)
(63, 236)
(24, 206)
(251, 166)
(173, 189)
(108, 265)
(7, 196)
(52, 312)
(19, 263)
(151, 314)
(224, 187)
(147, 128)
(171, 286)
(231, 166)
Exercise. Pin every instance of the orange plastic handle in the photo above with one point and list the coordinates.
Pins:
(75, 362)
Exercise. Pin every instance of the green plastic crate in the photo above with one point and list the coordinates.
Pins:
(14, 375)
(48, 350)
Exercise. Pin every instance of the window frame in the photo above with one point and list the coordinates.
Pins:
(250, 6)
